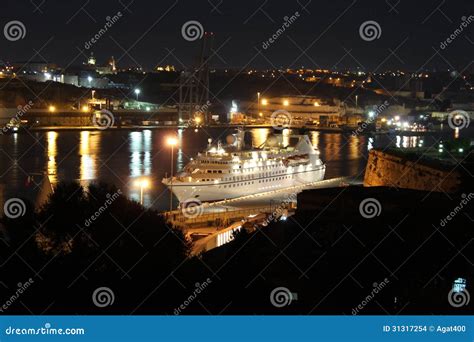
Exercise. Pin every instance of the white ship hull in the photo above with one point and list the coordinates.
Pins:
(225, 173)
(228, 190)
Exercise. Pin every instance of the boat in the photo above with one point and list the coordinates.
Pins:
(226, 171)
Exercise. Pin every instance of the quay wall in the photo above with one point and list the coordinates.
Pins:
(385, 169)
(42, 117)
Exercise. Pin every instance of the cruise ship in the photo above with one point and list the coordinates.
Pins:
(226, 171)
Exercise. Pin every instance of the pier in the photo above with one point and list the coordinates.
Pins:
(212, 225)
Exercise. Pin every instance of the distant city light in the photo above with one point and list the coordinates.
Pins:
(234, 108)
(286, 103)
(371, 114)
(316, 104)
(52, 108)
(85, 108)
(264, 102)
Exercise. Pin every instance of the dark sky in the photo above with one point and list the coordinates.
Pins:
(326, 31)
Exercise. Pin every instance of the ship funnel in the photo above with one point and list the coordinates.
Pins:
(231, 139)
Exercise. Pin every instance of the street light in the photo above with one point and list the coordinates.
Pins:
(52, 109)
(172, 142)
(137, 92)
(142, 184)
(258, 102)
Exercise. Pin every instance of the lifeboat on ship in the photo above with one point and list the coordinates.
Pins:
(296, 160)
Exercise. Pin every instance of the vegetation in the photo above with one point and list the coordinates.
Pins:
(330, 263)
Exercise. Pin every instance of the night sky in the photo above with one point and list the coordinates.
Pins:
(325, 35)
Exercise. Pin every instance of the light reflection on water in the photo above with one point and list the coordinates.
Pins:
(122, 157)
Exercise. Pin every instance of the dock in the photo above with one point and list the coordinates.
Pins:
(211, 225)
